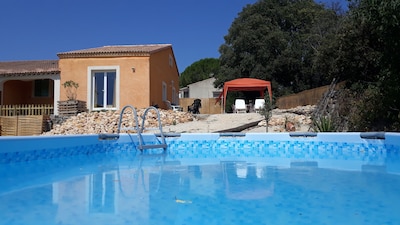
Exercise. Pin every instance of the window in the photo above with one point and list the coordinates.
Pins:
(164, 91)
(41, 88)
(216, 94)
(171, 61)
(104, 87)
(102, 193)
(175, 99)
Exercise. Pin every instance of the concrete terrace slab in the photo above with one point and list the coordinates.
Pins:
(232, 122)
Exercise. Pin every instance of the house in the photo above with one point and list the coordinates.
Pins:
(29, 82)
(109, 78)
(201, 89)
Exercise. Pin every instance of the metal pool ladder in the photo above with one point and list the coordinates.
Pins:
(140, 129)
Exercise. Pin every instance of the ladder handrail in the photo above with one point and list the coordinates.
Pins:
(135, 117)
(140, 130)
(134, 114)
(158, 119)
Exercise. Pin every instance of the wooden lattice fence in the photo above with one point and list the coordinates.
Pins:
(24, 119)
(22, 125)
(26, 109)
(208, 105)
(307, 97)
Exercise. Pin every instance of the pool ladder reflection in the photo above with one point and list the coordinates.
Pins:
(138, 173)
(142, 145)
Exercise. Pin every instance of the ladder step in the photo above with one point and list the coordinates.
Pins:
(151, 128)
(128, 128)
(152, 146)
(139, 130)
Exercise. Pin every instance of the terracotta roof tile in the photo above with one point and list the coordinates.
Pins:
(23, 67)
(115, 50)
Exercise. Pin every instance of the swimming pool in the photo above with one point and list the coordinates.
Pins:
(276, 178)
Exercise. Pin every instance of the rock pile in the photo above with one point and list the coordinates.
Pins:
(300, 117)
(107, 121)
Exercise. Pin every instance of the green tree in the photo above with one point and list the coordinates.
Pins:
(368, 58)
(277, 40)
(325, 42)
(198, 71)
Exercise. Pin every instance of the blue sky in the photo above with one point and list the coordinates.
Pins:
(36, 30)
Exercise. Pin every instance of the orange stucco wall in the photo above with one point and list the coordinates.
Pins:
(133, 85)
(21, 92)
(136, 88)
(163, 71)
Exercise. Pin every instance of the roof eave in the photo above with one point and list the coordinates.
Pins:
(102, 55)
(28, 73)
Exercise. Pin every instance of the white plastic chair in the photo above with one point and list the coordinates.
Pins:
(259, 104)
(240, 106)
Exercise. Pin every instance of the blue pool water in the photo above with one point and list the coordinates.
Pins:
(201, 179)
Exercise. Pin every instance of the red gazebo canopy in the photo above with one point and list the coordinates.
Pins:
(246, 84)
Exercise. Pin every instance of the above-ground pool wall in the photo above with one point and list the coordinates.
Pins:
(32, 148)
(26, 143)
(392, 139)
(12, 144)
(359, 151)
(392, 143)
(18, 149)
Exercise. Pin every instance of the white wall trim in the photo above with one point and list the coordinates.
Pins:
(89, 83)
